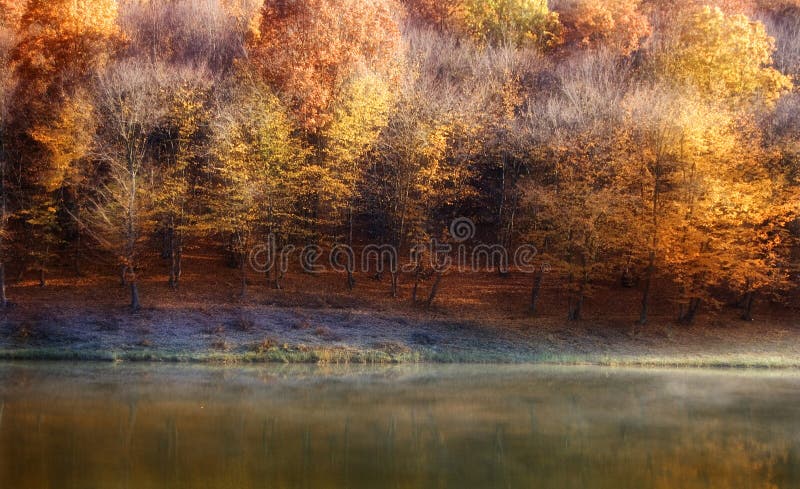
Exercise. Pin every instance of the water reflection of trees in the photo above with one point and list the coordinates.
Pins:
(508, 431)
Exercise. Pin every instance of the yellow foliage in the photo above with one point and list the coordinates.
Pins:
(360, 114)
(725, 57)
(519, 22)
(258, 162)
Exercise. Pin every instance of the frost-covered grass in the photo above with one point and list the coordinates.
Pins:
(213, 330)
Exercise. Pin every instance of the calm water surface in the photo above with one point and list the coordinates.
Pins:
(163, 426)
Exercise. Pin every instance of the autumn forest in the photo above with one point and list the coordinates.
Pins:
(651, 146)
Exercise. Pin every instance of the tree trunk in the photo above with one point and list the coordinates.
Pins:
(134, 295)
(434, 289)
(395, 280)
(243, 271)
(166, 241)
(3, 298)
(576, 308)
(687, 317)
(175, 271)
(124, 275)
(277, 274)
(747, 314)
(351, 281)
(178, 264)
(78, 243)
(648, 281)
(417, 278)
(535, 291)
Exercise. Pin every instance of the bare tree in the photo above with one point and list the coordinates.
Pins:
(129, 107)
(194, 32)
(784, 26)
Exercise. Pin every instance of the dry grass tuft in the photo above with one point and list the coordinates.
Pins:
(243, 324)
(264, 345)
(326, 334)
(391, 347)
(302, 325)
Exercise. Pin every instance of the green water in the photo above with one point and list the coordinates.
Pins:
(163, 426)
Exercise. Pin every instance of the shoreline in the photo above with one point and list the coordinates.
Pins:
(230, 334)
(334, 356)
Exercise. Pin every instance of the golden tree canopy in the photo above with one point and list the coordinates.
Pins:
(725, 57)
(518, 22)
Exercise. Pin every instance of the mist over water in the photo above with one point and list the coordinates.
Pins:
(164, 426)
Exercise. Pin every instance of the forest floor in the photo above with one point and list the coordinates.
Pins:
(477, 318)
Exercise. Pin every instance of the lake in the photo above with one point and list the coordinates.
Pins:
(145, 426)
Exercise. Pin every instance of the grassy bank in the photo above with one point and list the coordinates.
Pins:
(339, 355)
(204, 325)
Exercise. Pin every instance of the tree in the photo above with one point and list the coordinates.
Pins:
(67, 141)
(7, 24)
(697, 182)
(503, 160)
(617, 25)
(209, 33)
(518, 22)
(724, 57)
(442, 14)
(770, 255)
(784, 25)
(308, 49)
(179, 162)
(60, 44)
(360, 113)
(257, 165)
(573, 196)
(416, 170)
(579, 214)
(496, 22)
(411, 150)
(665, 11)
(130, 105)
(486, 88)
(312, 53)
(782, 7)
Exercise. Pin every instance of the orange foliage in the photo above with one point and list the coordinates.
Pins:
(614, 24)
(11, 12)
(308, 49)
(62, 40)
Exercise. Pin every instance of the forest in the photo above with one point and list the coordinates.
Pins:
(650, 145)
